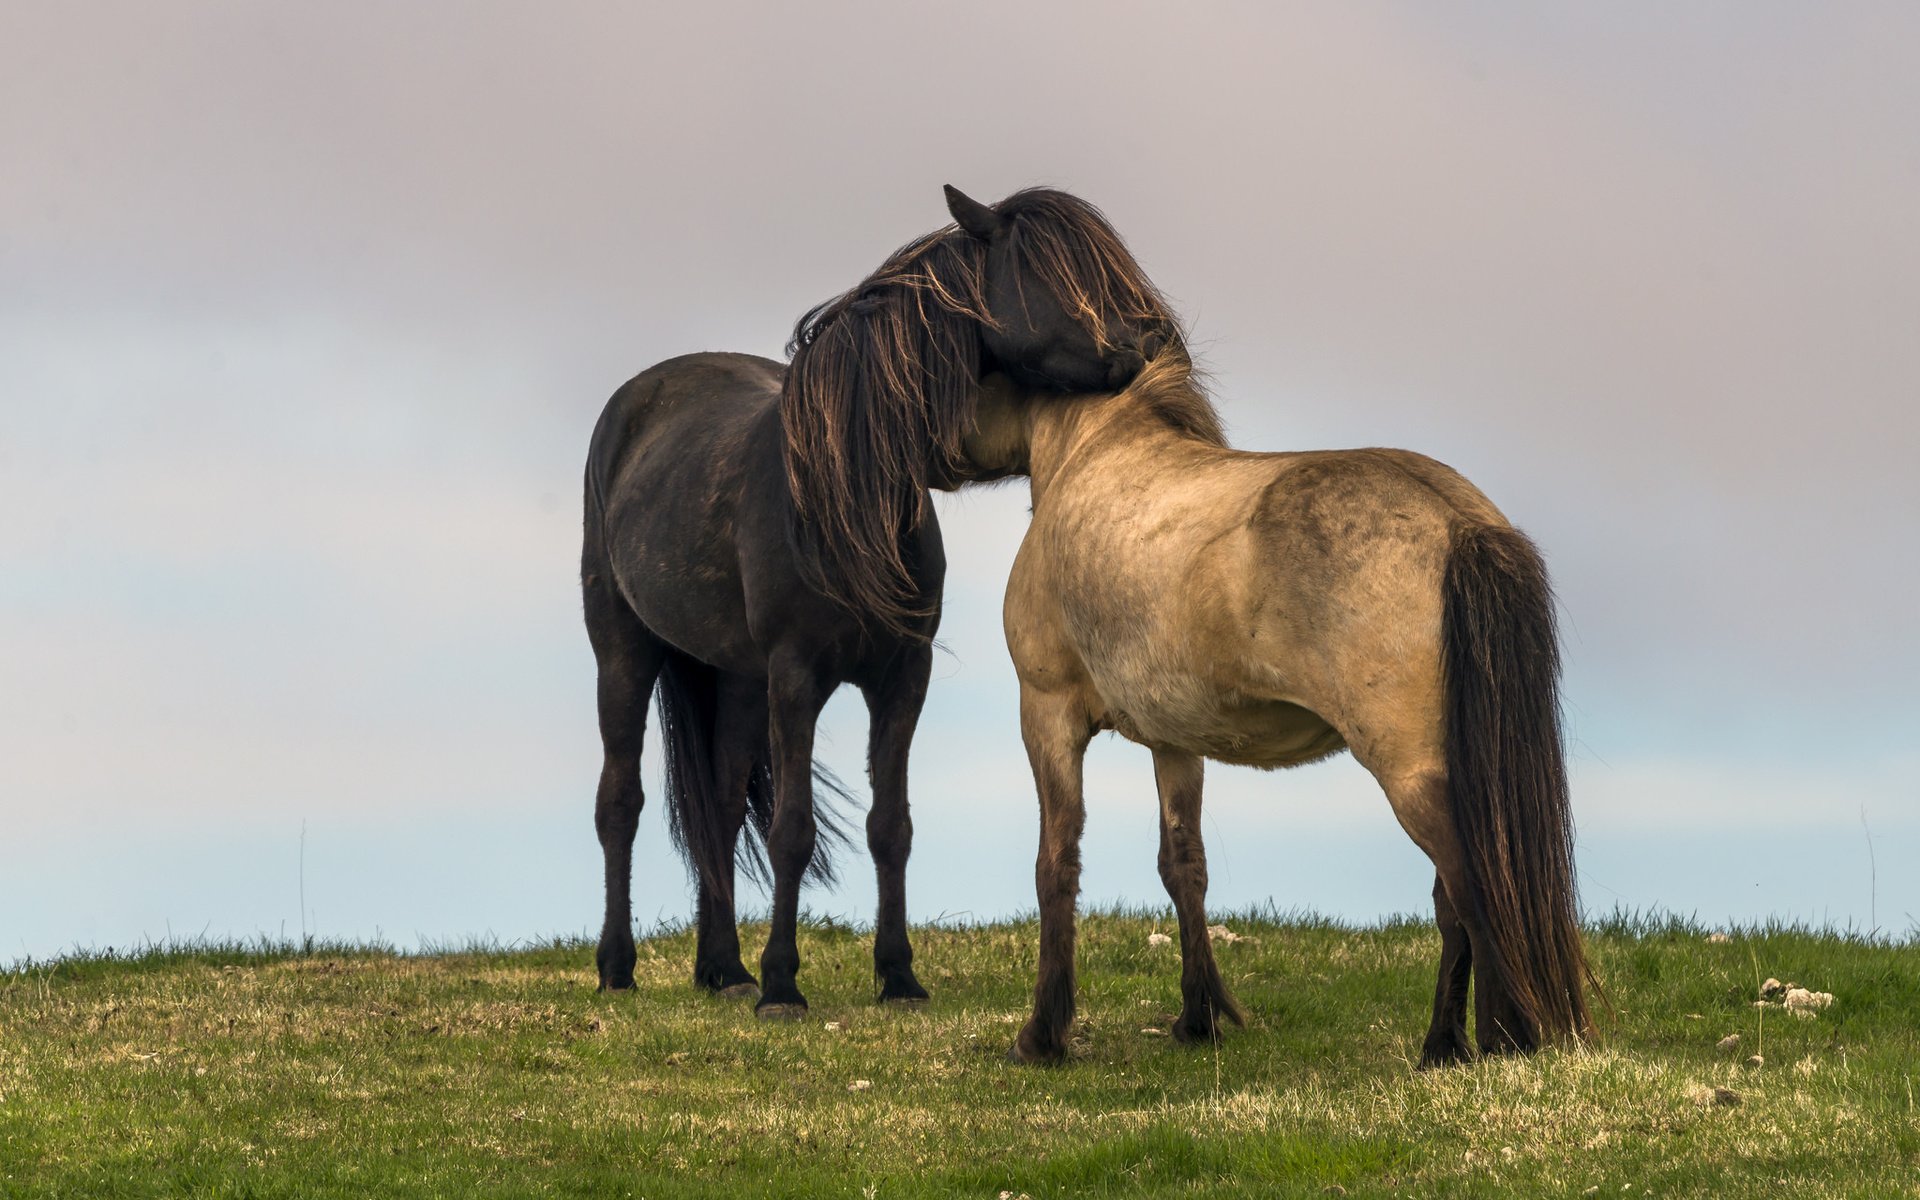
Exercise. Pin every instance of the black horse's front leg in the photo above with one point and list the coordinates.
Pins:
(795, 695)
(894, 708)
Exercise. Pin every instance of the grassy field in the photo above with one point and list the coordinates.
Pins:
(355, 1072)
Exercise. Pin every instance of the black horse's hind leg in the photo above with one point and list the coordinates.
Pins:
(894, 708)
(739, 743)
(795, 695)
(629, 659)
(1447, 1037)
(1204, 999)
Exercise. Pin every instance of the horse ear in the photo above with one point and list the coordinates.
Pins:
(974, 217)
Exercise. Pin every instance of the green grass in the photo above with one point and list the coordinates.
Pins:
(259, 1072)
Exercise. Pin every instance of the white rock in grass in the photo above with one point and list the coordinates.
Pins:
(1802, 1002)
(1158, 939)
(860, 1085)
(1730, 1043)
(1717, 937)
(1772, 989)
(1220, 933)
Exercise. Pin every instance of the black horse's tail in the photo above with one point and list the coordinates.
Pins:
(689, 701)
(1507, 776)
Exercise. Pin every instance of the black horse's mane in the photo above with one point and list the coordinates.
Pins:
(880, 390)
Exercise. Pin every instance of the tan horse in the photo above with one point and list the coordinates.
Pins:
(1272, 609)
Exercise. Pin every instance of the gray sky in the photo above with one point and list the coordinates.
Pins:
(306, 314)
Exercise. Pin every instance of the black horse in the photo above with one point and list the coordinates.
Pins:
(759, 534)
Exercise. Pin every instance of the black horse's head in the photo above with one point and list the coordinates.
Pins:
(1067, 307)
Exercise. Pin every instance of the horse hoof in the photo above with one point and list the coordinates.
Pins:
(1445, 1052)
(900, 987)
(739, 991)
(780, 1012)
(1034, 1056)
(1440, 1062)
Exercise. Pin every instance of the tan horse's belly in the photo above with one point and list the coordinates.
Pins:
(1160, 705)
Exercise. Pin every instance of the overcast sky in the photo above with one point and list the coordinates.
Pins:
(306, 313)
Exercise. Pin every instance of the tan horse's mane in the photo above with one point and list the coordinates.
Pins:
(1174, 389)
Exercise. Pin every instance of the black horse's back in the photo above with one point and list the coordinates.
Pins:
(676, 406)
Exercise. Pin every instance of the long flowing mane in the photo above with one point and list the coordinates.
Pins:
(880, 389)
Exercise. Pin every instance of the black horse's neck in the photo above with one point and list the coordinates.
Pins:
(916, 549)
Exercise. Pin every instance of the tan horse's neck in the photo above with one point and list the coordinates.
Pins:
(1085, 433)
(1162, 412)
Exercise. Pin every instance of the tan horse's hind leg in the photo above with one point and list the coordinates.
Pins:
(1420, 803)
(1447, 1036)
(1183, 868)
(1056, 730)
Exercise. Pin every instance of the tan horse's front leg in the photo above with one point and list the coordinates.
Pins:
(1204, 999)
(1056, 730)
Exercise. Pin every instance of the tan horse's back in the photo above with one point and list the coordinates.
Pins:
(1262, 609)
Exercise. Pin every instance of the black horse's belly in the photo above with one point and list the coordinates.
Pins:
(694, 606)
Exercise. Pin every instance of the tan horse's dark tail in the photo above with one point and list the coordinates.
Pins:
(1507, 780)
